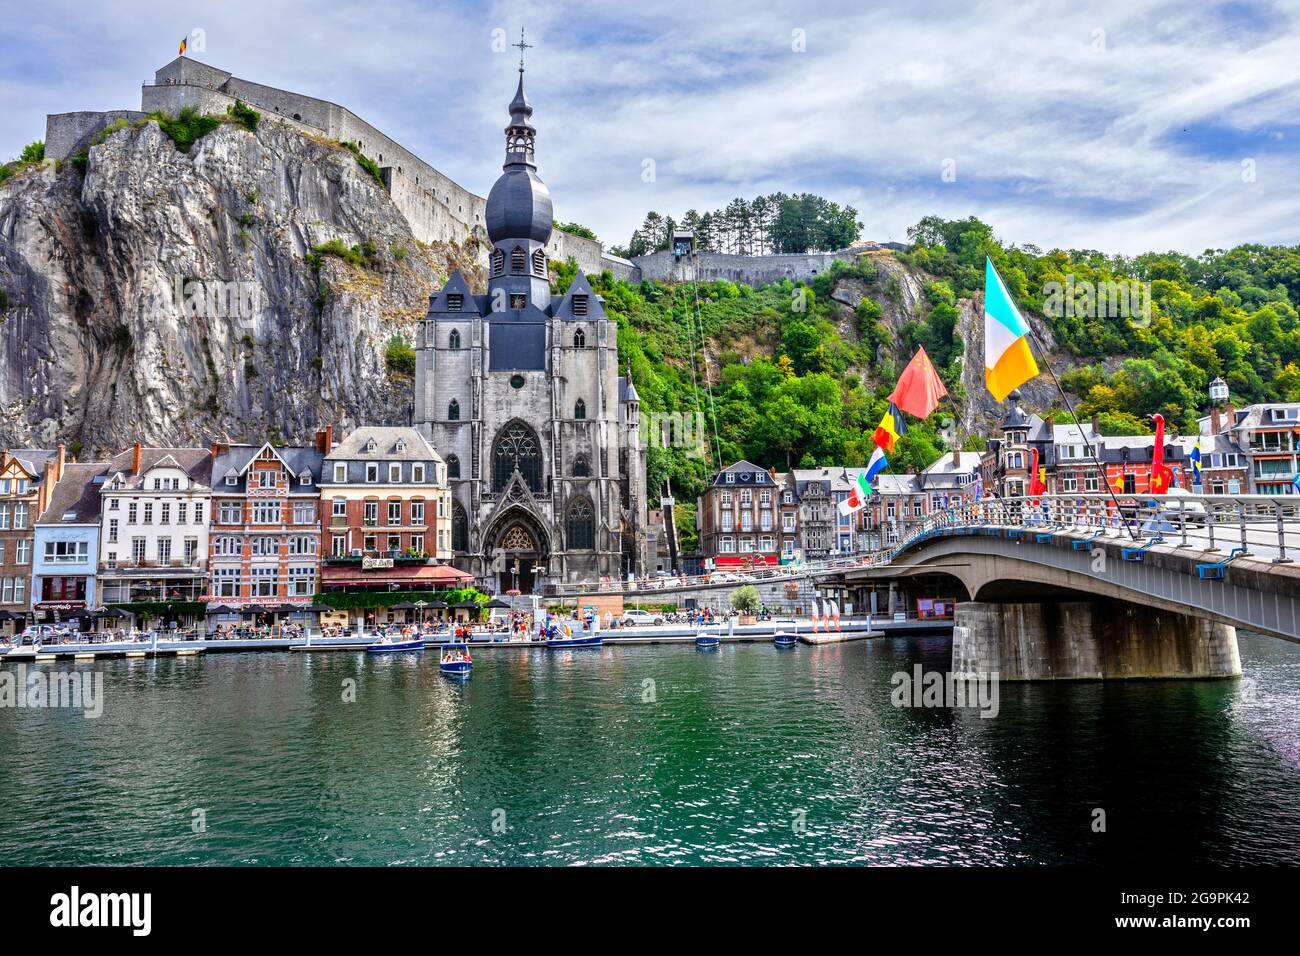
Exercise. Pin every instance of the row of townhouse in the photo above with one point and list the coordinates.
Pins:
(231, 526)
(753, 516)
(1252, 450)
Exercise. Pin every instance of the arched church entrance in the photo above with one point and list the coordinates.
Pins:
(517, 550)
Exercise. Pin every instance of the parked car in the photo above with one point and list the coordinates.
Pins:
(1193, 509)
(635, 616)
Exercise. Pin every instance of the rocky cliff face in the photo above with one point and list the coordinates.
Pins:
(173, 297)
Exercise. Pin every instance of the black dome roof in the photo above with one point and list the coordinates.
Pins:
(519, 206)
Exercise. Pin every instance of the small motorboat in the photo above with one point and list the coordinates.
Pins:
(589, 640)
(707, 642)
(785, 639)
(455, 659)
(394, 645)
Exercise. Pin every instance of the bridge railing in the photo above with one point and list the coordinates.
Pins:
(1263, 525)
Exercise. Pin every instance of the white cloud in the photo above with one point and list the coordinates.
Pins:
(1055, 141)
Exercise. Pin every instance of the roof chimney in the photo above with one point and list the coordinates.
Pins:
(1215, 421)
(135, 459)
(956, 458)
(1230, 414)
(1096, 424)
(62, 458)
(325, 439)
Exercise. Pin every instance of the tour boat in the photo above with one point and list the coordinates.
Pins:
(785, 639)
(455, 659)
(390, 645)
(590, 640)
(707, 641)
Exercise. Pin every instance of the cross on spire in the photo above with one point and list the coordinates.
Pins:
(522, 47)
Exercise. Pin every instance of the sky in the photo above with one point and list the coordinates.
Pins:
(1127, 126)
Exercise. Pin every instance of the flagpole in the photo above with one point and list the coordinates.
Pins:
(1082, 434)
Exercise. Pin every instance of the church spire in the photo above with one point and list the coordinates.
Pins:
(520, 134)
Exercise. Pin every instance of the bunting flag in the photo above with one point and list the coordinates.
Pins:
(184, 40)
(1196, 463)
(859, 492)
(1161, 474)
(891, 428)
(1008, 363)
(919, 389)
(877, 463)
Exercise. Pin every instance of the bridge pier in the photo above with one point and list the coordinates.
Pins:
(1089, 640)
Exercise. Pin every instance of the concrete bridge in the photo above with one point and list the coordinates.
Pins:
(1087, 587)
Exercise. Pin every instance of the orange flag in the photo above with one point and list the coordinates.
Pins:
(919, 389)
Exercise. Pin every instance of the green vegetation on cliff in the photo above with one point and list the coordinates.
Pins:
(795, 379)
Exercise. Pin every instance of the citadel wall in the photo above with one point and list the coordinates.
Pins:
(437, 208)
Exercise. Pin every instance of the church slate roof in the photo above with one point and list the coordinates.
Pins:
(580, 286)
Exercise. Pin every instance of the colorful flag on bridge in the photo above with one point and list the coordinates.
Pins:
(891, 428)
(1162, 475)
(859, 492)
(919, 389)
(1008, 363)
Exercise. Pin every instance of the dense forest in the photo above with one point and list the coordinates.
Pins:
(785, 376)
(764, 225)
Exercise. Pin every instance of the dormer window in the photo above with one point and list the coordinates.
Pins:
(401, 445)
(340, 471)
(371, 445)
(453, 340)
(731, 478)
(518, 260)
(579, 339)
(232, 480)
(305, 478)
(455, 301)
(580, 305)
(539, 263)
(498, 262)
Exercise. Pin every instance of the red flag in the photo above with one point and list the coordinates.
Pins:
(1161, 474)
(919, 389)
(1036, 484)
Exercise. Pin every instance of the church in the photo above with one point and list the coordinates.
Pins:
(522, 397)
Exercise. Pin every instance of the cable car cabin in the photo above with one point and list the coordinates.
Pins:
(683, 243)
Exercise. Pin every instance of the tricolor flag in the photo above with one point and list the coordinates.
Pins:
(890, 429)
(1195, 458)
(1008, 363)
(877, 463)
(184, 40)
(859, 492)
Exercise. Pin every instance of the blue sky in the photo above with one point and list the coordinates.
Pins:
(1122, 126)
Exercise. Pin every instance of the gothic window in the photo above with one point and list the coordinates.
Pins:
(580, 409)
(453, 411)
(498, 262)
(581, 467)
(516, 447)
(580, 305)
(453, 340)
(459, 528)
(518, 260)
(517, 538)
(539, 263)
(579, 339)
(453, 466)
(581, 526)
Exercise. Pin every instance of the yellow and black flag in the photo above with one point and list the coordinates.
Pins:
(184, 40)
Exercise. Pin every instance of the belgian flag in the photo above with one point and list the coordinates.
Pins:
(184, 40)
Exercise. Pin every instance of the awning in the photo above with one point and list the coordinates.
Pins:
(427, 576)
(744, 561)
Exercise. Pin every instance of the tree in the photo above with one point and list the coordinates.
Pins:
(745, 599)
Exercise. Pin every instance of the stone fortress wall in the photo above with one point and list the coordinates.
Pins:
(437, 209)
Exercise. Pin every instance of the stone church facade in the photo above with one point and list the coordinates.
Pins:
(521, 395)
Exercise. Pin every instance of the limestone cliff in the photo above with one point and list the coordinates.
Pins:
(122, 324)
